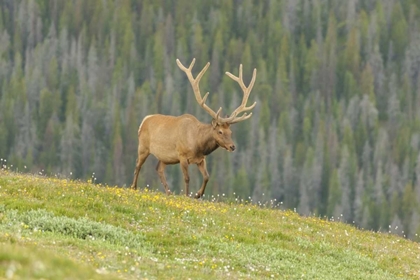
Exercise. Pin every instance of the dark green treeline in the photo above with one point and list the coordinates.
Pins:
(336, 131)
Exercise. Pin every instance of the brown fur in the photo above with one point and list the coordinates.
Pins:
(183, 140)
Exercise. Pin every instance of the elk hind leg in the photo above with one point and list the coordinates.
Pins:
(141, 158)
(202, 166)
(184, 168)
(160, 168)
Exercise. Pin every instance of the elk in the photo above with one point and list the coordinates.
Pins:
(186, 140)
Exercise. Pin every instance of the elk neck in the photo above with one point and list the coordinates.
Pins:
(206, 142)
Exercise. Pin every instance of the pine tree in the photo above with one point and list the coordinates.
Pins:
(328, 71)
(49, 151)
(273, 162)
(46, 108)
(69, 145)
(352, 53)
(76, 79)
(398, 33)
(261, 191)
(290, 187)
(359, 199)
(306, 188)
(3, 139)
(241, 185)
(334, 195)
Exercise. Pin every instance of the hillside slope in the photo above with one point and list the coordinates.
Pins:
(52, 228)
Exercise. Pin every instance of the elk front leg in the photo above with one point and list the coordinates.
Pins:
(160, 168)
(141, 158)
(184, 168)
(202, 166)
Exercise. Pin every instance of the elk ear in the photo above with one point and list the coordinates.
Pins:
(214, 123)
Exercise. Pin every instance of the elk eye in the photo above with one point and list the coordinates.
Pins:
(220, 132)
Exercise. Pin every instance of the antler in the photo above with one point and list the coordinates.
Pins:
(196, 88)
(216, 115)
(247, 90)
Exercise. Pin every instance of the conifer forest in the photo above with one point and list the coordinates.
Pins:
(336, 129)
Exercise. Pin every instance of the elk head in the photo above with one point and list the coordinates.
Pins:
(223, 135)
(221, 126)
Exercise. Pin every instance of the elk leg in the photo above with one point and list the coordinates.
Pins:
(141, 158)
(184, 168)
(202, 166)
(160, 168)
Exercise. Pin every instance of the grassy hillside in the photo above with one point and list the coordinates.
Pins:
(51, 228)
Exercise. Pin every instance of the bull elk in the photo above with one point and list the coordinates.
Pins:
(185, 139)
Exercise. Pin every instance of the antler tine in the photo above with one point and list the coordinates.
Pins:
(196, 88)
(247, 90)
(245, 116)
(192, 64)
(185, 69)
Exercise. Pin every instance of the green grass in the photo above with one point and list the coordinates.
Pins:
(61, 229)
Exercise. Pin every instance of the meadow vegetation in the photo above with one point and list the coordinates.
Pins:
(56, 228)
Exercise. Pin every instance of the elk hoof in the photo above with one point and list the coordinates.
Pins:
(198, 195)
(133, 187)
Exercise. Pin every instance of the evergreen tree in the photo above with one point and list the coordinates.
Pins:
(241, 185)
(69, 145)
(334, 196)
(337, 93)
